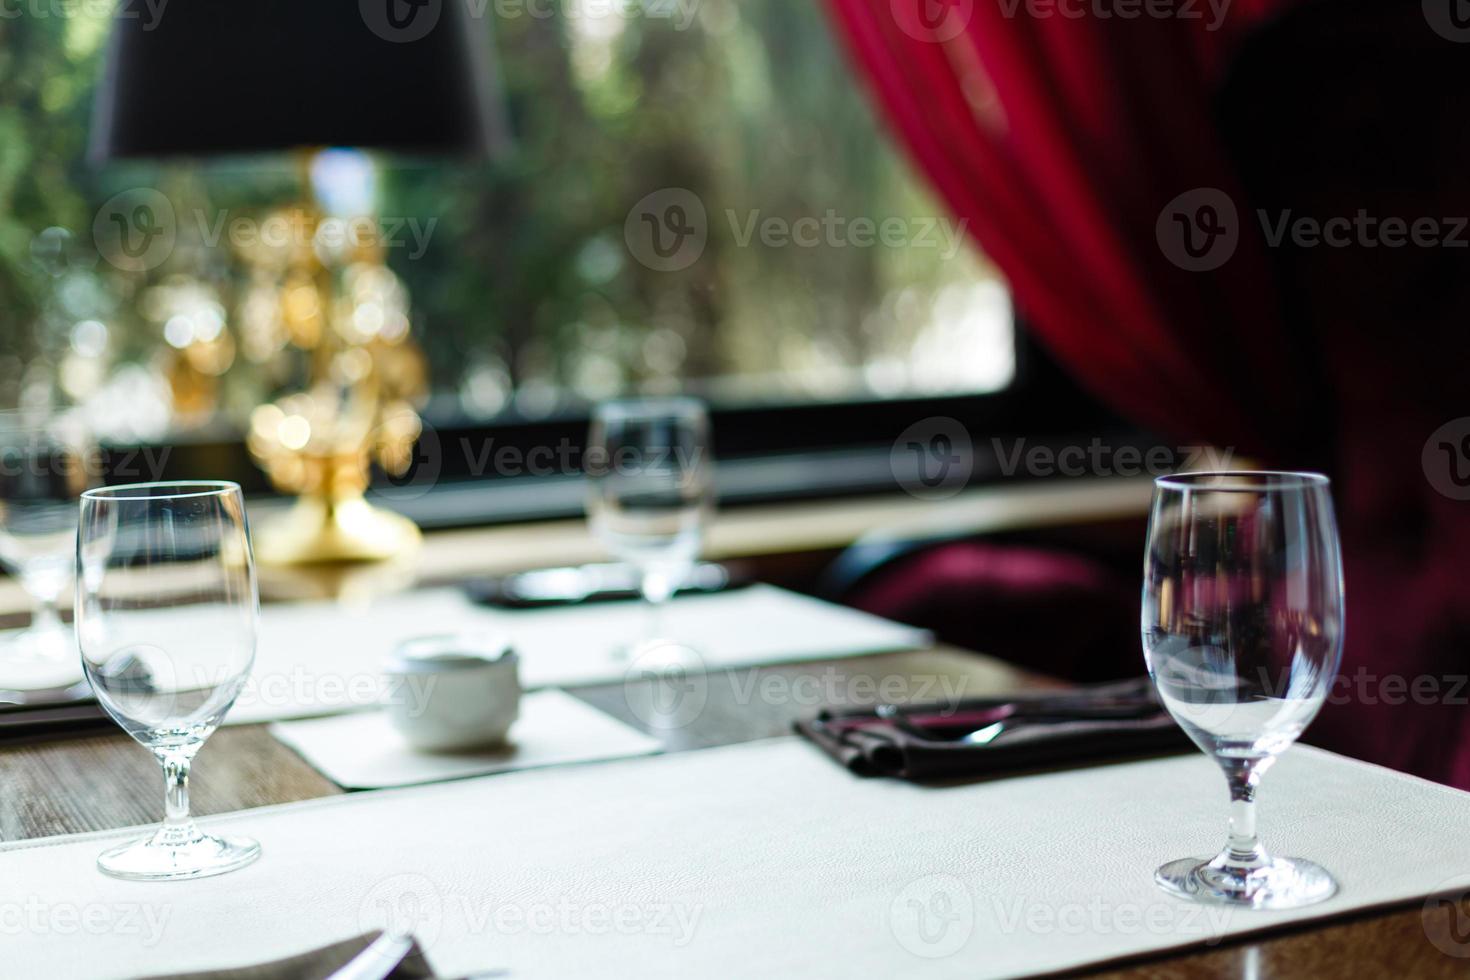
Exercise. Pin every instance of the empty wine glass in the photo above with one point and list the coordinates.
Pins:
(167, 613)
(650, 492)
(45, 464)
(1242, 631)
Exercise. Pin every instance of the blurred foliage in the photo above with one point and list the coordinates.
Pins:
(527, 297)
(47, 67)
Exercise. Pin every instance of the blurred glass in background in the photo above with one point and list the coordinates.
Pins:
(46, 462)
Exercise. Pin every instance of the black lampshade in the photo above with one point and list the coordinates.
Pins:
(204, 77)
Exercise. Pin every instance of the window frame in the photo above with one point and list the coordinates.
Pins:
(765, 453)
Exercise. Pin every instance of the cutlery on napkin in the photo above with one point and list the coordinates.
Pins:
(981, 737)
(379, 961)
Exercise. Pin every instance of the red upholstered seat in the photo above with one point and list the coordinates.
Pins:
(1061, 614)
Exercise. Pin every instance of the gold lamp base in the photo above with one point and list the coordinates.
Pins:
(317, 531)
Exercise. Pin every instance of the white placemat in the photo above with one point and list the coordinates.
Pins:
(364, 751)
(321, 658)
(758, 860)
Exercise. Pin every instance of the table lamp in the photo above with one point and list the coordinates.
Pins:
(411, 77)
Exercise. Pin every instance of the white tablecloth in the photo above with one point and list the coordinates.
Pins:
(763, 860)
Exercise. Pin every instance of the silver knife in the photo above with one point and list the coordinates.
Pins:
(378, 961)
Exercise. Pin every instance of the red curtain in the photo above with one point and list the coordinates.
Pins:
(1064, 140)
(1061, 139)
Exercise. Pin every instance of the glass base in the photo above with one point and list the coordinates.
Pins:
(178, 853)
(1279, 883)
(657, 652)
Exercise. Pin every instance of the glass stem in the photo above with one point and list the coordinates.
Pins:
(657, 586)
(45, 617)
(1243, 853)
(178, 826)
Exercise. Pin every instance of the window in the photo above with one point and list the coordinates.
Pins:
(699, 199)
(807, 265)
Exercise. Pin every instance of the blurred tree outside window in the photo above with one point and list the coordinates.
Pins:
(699, 199)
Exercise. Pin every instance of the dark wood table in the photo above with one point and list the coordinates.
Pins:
(107, 781)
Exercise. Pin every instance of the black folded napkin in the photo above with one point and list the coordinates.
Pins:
(1082, 724)
(319, 964)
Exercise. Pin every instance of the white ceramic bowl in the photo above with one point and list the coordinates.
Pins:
(453, 692)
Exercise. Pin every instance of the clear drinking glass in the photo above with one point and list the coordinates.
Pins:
(1242, 631)
(650, 491)
(167, 612)
(44, 467)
